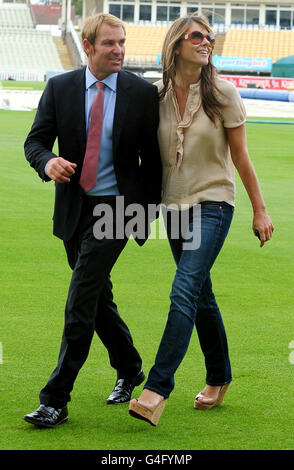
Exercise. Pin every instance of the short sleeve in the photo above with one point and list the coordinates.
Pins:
(234, 112)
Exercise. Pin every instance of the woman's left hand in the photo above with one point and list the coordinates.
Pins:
(262, 227)
(262, 224)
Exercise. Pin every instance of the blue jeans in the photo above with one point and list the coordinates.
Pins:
(193, 303)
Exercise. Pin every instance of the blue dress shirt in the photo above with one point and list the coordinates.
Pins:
(106, 181)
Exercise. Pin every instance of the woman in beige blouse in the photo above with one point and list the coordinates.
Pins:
(201, 132)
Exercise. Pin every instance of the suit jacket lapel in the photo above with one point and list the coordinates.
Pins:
(121, 106)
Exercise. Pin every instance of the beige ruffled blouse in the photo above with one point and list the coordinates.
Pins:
(196, 159)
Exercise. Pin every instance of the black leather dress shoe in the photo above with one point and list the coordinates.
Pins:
(47, 417)
(123, 389)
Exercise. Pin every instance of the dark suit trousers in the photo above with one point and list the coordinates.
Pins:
(90, 307)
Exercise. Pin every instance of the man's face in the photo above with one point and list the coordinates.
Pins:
(106, 55)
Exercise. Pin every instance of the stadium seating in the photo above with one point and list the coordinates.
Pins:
(25, 50)
(144, 42)
(15, 15)
(271, 44)
(26, 54)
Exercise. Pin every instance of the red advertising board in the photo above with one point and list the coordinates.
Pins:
(269, 83)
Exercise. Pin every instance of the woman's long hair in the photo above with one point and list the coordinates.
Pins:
(209, 92)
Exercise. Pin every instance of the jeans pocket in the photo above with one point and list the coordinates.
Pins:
(219, 204)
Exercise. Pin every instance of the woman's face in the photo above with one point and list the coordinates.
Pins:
(194, 54)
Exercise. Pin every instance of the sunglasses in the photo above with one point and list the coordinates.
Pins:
(196, 37)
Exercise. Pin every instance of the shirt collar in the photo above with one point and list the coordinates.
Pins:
(110, 80)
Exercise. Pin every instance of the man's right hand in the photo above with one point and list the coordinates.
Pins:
(60, 170)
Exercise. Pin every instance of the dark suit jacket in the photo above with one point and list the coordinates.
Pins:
(136, 158)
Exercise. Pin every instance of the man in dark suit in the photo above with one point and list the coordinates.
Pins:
(129, 167)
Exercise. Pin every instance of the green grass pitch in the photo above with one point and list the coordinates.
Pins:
(254, 288)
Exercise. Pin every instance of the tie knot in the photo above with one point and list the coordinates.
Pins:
(99, 85)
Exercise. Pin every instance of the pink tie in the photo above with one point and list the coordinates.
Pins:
(88, 177)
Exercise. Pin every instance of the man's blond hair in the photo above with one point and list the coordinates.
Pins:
(93, 23)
